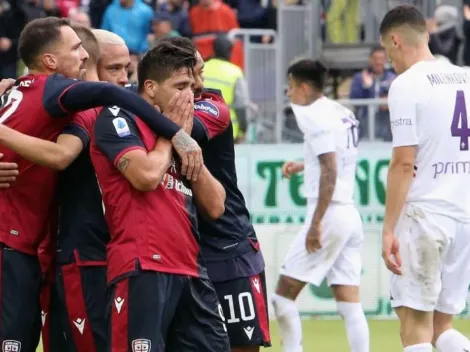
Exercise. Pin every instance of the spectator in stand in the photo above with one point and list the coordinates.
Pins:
(96, 11)
(177, 9)
(131, 20)
(161, 28)
(444, 37)
(79, 16)
(207, 19)
(10, 28)
(33, 9)
(250, 13)
(373, 82)
(220, 73)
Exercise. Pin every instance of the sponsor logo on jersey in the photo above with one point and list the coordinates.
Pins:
(11, 346)
(400, 122)
(79, 324)
(121, 127)
(451, 168)
(207, 107)
(170, 182)
(141, 345)
(118, 302)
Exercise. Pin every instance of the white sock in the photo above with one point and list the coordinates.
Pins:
(452, 341)
(356, 326)
(290, 326)
(422, 347)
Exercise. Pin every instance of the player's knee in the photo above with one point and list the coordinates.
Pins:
(343, 293)
(416, 327)
(288, 287)
(441, 323)
(350, 312)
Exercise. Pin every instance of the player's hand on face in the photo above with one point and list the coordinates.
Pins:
(8, 173)
(291, 167)
(313, 240)
(176, 108)
(466, 12)
(391, 252)
(188, 112)
(190, 154)
(6, 84)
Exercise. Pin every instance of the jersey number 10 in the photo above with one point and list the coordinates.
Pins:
(460, 118)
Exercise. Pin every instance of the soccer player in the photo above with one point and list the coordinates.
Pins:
(426, 230)
(329, 244)
(82, 244)
(229, 245)
(46, 46)
(161, 297)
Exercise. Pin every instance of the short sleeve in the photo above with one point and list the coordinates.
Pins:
(321, 140)
(116, 133)
(56, 86)
(213, 115)
(81, 125)
(402, 104)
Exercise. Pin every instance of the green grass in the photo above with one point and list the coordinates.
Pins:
(329, 335)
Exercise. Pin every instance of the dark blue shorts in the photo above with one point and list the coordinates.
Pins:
(159, 312)
(20, 286)
(74, 320)
(245, 308)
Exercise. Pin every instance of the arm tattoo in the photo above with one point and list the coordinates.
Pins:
(183, 142)
(327, 184)
(123, 163)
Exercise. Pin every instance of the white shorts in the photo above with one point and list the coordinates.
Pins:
(435, 254)
(339, 259)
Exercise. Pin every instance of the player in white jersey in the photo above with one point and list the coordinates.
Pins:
(329, 244)
(426, 232)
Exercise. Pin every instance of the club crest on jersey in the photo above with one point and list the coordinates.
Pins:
(121, 127)
(11, 346)
(207, 107)
(141, 345)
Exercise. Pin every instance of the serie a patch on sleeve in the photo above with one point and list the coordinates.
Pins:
(207, 107)
(121, 127)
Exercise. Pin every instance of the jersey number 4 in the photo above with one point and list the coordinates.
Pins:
(13, 101)
(459, 126)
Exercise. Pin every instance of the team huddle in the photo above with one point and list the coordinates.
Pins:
(123, 249)
(122, 227)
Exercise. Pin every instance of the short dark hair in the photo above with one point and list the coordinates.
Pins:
(403, 15)
(37, 35)
(167, 56)
(89, 41)
(308, 71)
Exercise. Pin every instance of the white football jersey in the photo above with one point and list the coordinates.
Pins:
(429, 108)
(329, 127)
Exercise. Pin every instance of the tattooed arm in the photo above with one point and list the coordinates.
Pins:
(145, 170)
(327, 185)
(119, 138)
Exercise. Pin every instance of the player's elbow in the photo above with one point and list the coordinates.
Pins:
(217, 208)
(60, 161)
(145, 181)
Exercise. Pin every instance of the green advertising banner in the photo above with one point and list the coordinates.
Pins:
(273, 199)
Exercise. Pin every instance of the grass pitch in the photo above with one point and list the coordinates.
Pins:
(330, 336)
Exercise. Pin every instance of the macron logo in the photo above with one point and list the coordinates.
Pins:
(43, 317)
(118, 302)
(207, 107)
(256, 284)
(80, 324)
(114, 110)
(249, 331)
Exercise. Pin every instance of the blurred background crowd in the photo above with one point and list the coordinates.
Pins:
(225, 32)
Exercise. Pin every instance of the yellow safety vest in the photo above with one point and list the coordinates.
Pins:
(223, 75)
